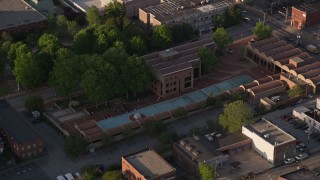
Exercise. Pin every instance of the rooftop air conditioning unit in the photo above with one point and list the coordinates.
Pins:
(266, 136)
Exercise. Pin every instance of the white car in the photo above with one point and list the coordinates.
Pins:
(289, 161)
(60, 178)
(209, 137)
(229, 50)
(196, 138)
(301, 156)
(69, 176)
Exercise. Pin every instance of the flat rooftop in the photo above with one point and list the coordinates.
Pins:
(184, 56)
(15, 13)
(300, 174)
(312, 7)
(83, 5)
(149, 163)
(172, 9)
(14, 125)
(195, 150)
(276, 135)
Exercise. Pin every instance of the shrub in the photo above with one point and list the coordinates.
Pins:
(168, 137)
(179, 112)
(34, 103)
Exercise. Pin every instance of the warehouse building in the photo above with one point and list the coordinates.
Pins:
(304, 15)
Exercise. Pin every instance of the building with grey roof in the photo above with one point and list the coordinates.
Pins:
(300, 174)
(176, 69)
(269, 141)
(198, 13)
(147, 164)
(17, 15)
(24, 141)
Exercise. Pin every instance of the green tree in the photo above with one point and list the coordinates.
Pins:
(6, 36)
(168, 137)
(181, 32)
(93, 16)
(99, 80)
(74, 146)
(221, 37)
(114, 9)
(161, 37)
(48, 44)
(12, 52)
(106, 140)
(262, 31)
(34, 103)
(27, 69)
(66, 75)
(208, 60)
(85, 41)
(295, 91)
(235, 115)
(137, 46)
(218, 21)
(135, 74)
(233, 16)
(112, 175)
(206, 172)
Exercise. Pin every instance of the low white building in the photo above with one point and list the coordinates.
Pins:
(310, 116)
(269, 141)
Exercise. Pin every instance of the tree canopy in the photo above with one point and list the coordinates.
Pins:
(181, 32)
(99, 80)
(233, 16)
(48, 44)
(221, 37)
(74, 146)
(161, 37)
(34, 103)
(112, 175)
(235, 115)
(137, 46)
(206, 172)
(262, 31)
(295, 91)
(208, 60)
(93, 16)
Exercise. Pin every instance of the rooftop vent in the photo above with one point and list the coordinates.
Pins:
(189, 147)
(183, 142)
(195, 153)
(266, 136)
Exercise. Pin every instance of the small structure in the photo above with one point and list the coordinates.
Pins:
(305, 15)
(234, 142)
(310, 116)
(269, 141)
(137, 116)
(22, 138)
(147, 165)
(189, 153)
(299, 174)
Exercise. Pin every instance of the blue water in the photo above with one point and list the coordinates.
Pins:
(195, 96)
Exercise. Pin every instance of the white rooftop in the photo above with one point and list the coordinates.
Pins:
(83, 5)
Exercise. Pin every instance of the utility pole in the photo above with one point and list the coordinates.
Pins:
(285, 19)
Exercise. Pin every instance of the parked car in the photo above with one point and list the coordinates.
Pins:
(209, 137)
(229, 50)
(301, 156)
(304, 127)
(36, 120)
(289, 39)
(69, 176)
(289, 161)
(60, 178)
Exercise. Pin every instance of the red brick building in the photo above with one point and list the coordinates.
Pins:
(147, 165)
(176, 69)
(21, 137)
(305, 15)
(18, 16)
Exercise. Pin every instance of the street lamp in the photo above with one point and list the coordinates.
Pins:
(272, 6)
(298, 38)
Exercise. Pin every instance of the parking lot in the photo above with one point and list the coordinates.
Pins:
(24, 172)
(299, 134)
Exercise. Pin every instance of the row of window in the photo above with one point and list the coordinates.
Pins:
(23, 148)
(29, 153)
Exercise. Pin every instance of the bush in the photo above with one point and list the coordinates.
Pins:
(34, 103)
(179, 112)
(168, 137)
(112, 175)
(154, 128)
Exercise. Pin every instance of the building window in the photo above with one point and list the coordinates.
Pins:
(174, 89)
(188, 84)
(34, 145)
(175, 82)
(22, 148)
(28, 146)
(167, 85)
(23, 155)
(29, 153)
(167, 91)
(187, 78)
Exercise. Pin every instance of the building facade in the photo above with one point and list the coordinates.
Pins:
(269, 141)
(147, 165)
(199, 14)
(310, 116)
(305, 15)
(175, 69)
(23, 140)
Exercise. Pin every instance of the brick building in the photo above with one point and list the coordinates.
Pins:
(269, 141)
(198, 13)
(300, 174)
(176, 69)
(18, 16)
(22, 138)
(305, 15)
(147, 165)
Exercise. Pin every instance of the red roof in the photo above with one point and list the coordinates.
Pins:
(267, 86)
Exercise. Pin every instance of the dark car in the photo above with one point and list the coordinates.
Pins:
(289, 39)
(36, 120)
(314, 134)
(304, 127)
(299, 125)
(294, 122)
